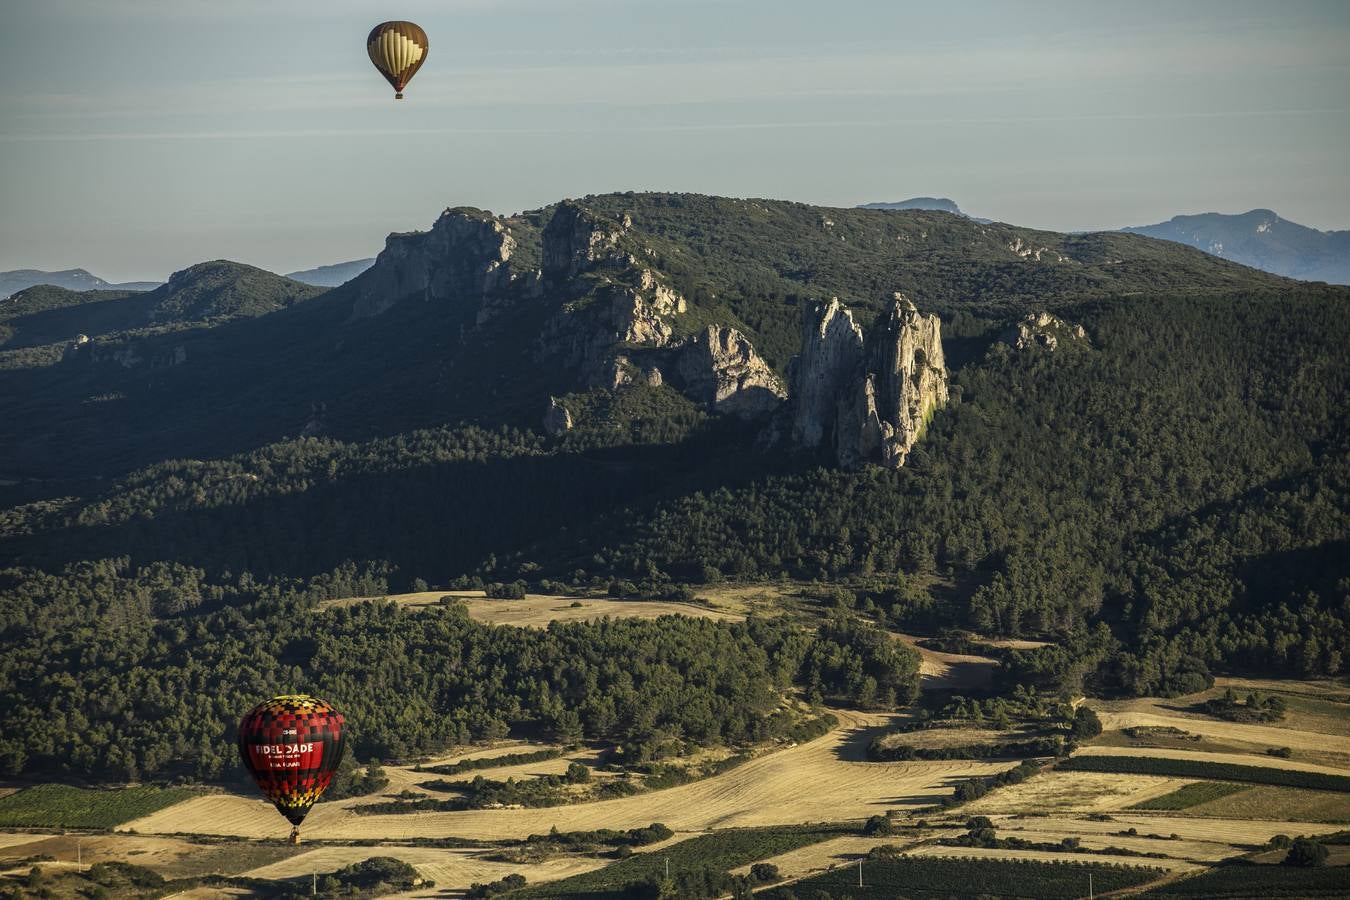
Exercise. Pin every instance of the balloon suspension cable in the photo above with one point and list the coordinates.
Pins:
(295, 835)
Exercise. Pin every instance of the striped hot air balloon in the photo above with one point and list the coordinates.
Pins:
(292, 745)
(398, 50)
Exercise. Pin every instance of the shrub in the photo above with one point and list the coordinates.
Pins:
(878, 825)
(764, 872)
(1306, 853)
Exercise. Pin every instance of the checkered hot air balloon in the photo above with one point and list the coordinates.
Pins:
(398, 50)
(292, 745)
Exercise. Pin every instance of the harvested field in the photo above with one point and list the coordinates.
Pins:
(449, 868)
(1238, 735)
(1057, 792)
(826, 780)
(939, 737)
(951, 671)
(170, 857)
(537, 610)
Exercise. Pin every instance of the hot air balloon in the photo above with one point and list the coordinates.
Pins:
(398, 50)
(292, 745)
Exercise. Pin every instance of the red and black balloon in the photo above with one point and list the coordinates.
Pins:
(292, 746)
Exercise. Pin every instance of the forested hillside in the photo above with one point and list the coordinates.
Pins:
(1163, 498)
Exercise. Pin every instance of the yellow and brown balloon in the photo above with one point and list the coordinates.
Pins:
(398, 50)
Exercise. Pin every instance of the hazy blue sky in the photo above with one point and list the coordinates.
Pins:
(138, 137)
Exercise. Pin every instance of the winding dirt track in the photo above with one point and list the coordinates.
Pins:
(826, 780)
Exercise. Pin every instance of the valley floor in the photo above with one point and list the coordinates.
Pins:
(824, 780)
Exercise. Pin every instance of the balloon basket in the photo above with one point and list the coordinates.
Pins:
(295, 835)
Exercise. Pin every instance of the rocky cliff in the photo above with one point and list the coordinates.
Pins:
(465, 257)
(832, 350)
(903, 382)
(871, 398)
(610, 309)
(721, 369)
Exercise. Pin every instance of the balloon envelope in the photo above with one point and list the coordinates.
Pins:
(292, 745)
(398, 50)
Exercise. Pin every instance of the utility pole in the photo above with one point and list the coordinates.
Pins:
(314, 884)
(667, 868)
(860, 884)
(1089, 886)
(79, 855)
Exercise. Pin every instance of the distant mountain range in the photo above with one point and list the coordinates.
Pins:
(937, 204)
(1263, 240)
(334, 275)
(1259, 238)
(18, 280)
(71, 279)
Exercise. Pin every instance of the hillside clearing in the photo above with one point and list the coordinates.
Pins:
(951, 671)
(538, 610)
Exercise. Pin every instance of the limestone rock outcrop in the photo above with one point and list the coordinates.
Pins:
(832, 349)
(609, 304)
(721, 369)
(557, 418)
(1042, 330)
(576, 240)
(465, 257)
(903, 382)
(869, 398)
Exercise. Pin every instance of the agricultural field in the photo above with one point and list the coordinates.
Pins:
(1193, 795)
(1315, 728)
(58, 805)
(1168, 820)
(916, 876)
(1214, 766)
(538, 610)
(1259, 881)
(719, 853)
(827, 779)
(1266, 802)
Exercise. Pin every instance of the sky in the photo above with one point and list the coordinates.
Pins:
(138, 137)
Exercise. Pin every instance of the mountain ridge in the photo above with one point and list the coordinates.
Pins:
(333, 274)
(16, 280)
(1262, 239)
(601, 394)
(1258, 238)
